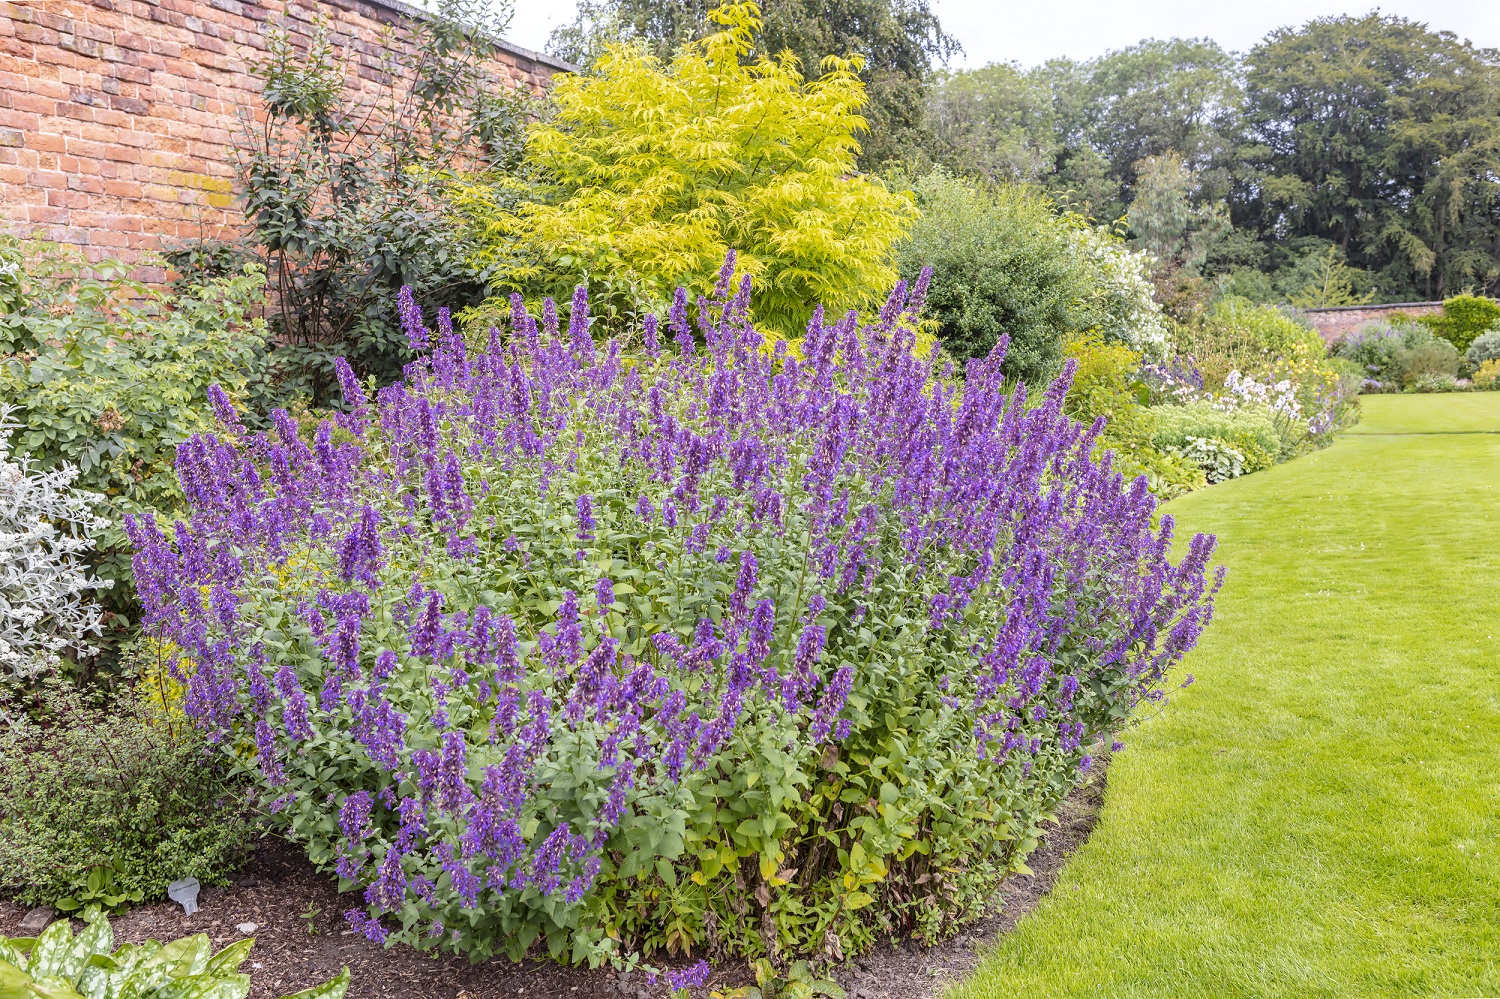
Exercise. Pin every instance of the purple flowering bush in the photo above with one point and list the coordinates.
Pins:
(708, 645)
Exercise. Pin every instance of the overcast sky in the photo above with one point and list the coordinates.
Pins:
(1031, 31)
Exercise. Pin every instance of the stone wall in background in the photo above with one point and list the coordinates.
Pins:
(1334, 323)
(118, 118)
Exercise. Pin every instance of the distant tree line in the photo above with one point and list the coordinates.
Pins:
(1346, 160)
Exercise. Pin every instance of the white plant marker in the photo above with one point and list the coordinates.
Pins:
(185, 892)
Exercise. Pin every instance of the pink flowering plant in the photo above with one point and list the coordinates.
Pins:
(707, 645)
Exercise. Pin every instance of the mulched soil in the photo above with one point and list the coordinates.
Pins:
(281, 893)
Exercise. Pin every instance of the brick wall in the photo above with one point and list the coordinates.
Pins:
(118, 117)
(1338, 322)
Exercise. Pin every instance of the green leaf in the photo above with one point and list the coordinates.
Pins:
(14, 983)
(228, 960)
(857, 899)
(332, 989)
(52, 950)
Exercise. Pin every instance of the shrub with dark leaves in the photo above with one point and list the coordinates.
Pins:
(110, 799)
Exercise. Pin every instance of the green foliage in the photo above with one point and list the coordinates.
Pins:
(1485, 347)
(106, 800)
(1358, 156)
(1219, 461)
(1106, 383)
(109, 376)
(1329, 281)
(1379, 135)
(652, 172)
(1435, 359)
(798, 983)
(101, 890)
(1237, 335)
(1249, 431)
(897, 43)
(58, 965)
(1463, 319)
(342, 187)
(1167, 218)
(1082, 129)
(1002, 264)
(1171, 220)
(1488, 375)
(1427, 382)
(1273, 330)
(996, 123)
(1380, 348)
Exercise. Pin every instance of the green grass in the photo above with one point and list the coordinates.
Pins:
(1422, 414)
(1319, 815)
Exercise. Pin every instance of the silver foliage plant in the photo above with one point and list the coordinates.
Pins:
(45, 584)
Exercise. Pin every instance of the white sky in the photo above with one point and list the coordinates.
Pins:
(1031, 31)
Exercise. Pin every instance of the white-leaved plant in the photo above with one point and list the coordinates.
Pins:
(1123, 296)
(45, 608)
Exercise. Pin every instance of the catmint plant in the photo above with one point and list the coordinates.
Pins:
(727, 641)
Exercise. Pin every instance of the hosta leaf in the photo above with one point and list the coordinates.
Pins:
(96, 938)
(50, 987)
(205, 986)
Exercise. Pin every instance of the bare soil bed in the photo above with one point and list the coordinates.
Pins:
(301, 938)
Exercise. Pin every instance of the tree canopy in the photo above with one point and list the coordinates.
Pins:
(1360, 151)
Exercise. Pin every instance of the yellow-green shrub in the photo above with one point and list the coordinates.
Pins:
(648, 174)
(1488, 375)
(1104, 385)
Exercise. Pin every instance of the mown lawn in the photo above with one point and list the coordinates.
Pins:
(1319, 815)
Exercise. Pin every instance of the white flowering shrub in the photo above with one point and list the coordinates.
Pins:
(1245, 390)
(45, 522)
(1122, 296)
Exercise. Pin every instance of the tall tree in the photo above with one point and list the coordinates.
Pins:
(1171, 220)
(1098, 119)
(1178, 96)
(1381, 136)
(998, 122)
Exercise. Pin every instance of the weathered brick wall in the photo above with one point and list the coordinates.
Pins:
(1338, 322)
(118, 117)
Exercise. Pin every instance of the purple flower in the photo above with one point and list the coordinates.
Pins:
(411, 320)
(691, 977)
(813, 534)
(223, 408)
(585, 517)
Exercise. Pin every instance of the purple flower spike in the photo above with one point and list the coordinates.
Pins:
(499, 692)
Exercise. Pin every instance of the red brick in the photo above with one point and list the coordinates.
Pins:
(45, 179)
(45, 142)
(33, 103)
(105, 237)
(123, 188)
(46, 213)
(67, 199)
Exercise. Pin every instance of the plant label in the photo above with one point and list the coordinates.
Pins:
(185, 892)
